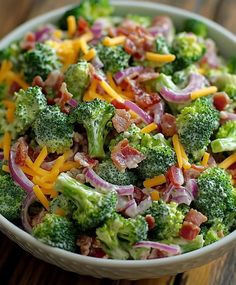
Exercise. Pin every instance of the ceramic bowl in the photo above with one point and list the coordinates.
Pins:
(118, 269)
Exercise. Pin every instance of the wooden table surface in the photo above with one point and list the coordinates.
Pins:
(18, 267)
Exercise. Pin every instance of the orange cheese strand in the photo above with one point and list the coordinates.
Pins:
(149, 128)
(107, 88)
(5, 168)
(41, 157)
(90, 54)
(51, 177)
(5, 68)
(60, 212)
(205, 159)
(6, 145)
(203, 92)
(162, 58)
(157, 180)
(28, 171)
(69, 165)
(155, 195)
(45, 185)
(186, 164)
(10, 110)
(58, 163)
(53, 193)
(113, 41)
(41, 197)
(72, 25)
(38, 170)
(228, 161)
(177, 147)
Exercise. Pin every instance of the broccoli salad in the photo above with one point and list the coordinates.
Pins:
(118, 135)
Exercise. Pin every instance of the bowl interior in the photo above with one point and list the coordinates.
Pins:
(117, 269)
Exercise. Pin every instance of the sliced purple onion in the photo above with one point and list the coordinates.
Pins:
(142, 114)
(144, 205)
(197, 81)
(29, 200)
(227, 116)
(192, 188)
(131, 209)
(167, 193)
(1, 156)
(169, 249)
(44, 33)
(18, 175)
(181, 196)
(97, 182)
(121, 75)
(73, 103)
(98, 27)
(97, 63)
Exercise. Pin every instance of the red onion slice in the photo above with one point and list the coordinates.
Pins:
(97, 182)
(73, 103)
(29, 200)
(1, 156)
(144, 205)
(181, 196)
(121, 75)
(192, 188)
(142, 114)
(227, 116)
(170, 249)
(197, 81)
(131, 209)
(97, 63)
(44, 33)
(18, 175)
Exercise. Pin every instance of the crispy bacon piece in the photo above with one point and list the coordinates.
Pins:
(82, 26)
(122, 120)
(85, 160)
(175, 176)
(124, 156)
(90, 246)
(150, 221)
(168, 125)
(21, 152)
(189, 231)
(28, 42)
(63, 97)
(221, 100)
(195, 217)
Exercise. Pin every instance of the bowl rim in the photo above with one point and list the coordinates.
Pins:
(115, 263)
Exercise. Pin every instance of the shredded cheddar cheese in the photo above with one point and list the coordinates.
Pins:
(90, 54)
(36, 169)
(6, 145)
(41, 197)
(186, 164)
(107, 88)
(177, 148)
(157, 180)
(162, 58)
(203, 92)
(155, 195)
(205, 159)
(228, 161)
(149, 128)
(113, 41)
(5, 168)
(69, 165)
(72, 25)
(41, 157)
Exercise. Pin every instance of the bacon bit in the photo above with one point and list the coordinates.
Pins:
(28, 42)
(63, 97)
(82, 26)
(189, 231)
(175, 176)
(85, 160)
(15, 87)
(168, 125)
(156, 253)
(38, 81)
(129, 46)
(139, 196)
(124, 156)
(221, 100)
(150, 221)
(191, 174)
(118, 105)
(195, 217)
(122, 120)
(21, 152)
(144, 99)
(90, 246)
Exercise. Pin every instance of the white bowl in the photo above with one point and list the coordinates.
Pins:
(117, 269)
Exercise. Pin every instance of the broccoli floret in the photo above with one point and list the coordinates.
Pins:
(110, 173)
(29, 104)
(13, 53)
(196, 123)
(197, 27)
(11, 197)
(90, 10)
(168, 220)
(41, 60)
(61, 203)
(230, 90)
(232, 65)
(77, 79)
(53, 130)
(113, 58)
(143, 21)
(223, 80)
(162, 46)
(216, 197)
(92, 207)
(226, 138)
(181, 77)
(188, 49)
(56, 231)
(215, 232)
(119, 234)
(96, 117)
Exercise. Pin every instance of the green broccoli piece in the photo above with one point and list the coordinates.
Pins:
(195, 26)
(29, 104)
(92, 207)
(4, 88)
(11, 197)
(196, 123)
(143, 21)
(188, 49)
(63, 203)
(107, 171)
(53, 130)
(13, 53)
(232, 65)
(56, 231)
(41, 60)
(77, 79)
(181, 77)
(223, 80)
(216, 190)
(96, 117)
(168, 220)
(230, 90)
(90, 10)
(119, 234)
(162, 46)
(226, 138)
(113, 58)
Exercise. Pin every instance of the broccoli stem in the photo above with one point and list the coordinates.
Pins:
(224, 144)
(96, 139)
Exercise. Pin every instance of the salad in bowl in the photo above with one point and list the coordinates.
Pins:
(118, 135)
